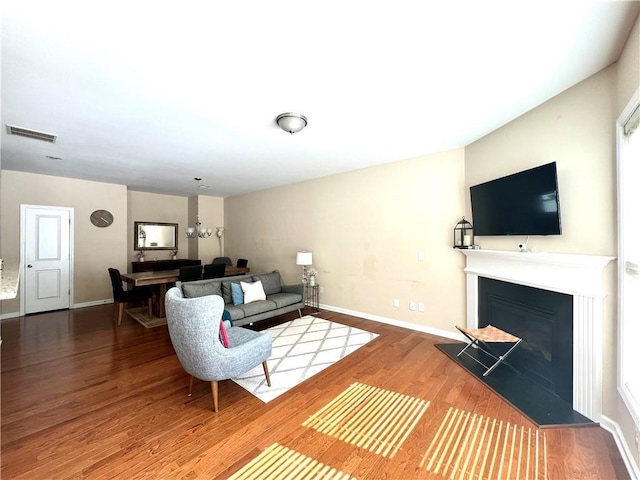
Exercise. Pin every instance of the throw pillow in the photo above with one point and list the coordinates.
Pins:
(271, 282)
(227, 316)
(237, 294)
(253, 291)
(224, 338)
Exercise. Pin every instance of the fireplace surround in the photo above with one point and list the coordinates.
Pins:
(576, 275)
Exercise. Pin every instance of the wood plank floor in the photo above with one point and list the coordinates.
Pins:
(82, 398)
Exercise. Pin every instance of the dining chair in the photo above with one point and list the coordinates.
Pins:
(122, 296)
(242, 263)
(214, 270)
(195, 330)
(225, 260)
(190, 273)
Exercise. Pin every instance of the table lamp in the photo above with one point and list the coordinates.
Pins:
(304, 259)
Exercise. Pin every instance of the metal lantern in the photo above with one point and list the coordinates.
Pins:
(463, 234)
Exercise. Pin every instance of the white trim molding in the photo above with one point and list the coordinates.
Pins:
(576, 275)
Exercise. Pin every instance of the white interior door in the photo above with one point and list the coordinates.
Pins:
(46, 259)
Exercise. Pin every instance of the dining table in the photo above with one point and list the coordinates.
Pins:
(159, 280)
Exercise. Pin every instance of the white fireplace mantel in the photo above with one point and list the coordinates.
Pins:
(576, 275)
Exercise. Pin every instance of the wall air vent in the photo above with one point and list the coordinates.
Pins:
(24, 132)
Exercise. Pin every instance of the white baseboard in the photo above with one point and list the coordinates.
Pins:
(93, 304)
(8, 315)
(623, 447)
(397, 323)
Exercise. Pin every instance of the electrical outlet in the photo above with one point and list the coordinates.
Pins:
(412, 305)
(421, 307)
(396, 302)
(321, 289)
(421, 256)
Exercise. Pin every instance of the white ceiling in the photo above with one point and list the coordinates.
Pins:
(153, 94)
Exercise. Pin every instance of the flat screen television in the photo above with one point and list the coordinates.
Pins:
(525, 203)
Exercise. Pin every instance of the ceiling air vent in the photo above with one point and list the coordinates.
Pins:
(24, 132)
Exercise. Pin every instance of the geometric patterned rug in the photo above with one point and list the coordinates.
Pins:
(302, 348)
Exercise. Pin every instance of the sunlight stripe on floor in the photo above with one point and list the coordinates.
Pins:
(279, 462)
(369, 417)
(471, 446)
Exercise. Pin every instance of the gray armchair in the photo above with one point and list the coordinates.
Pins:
(194, 328)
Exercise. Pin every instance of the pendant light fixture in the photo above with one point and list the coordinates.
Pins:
(198, 231)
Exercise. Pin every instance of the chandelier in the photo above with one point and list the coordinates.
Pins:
(198, 231)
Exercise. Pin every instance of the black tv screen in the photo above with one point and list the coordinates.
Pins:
(525, 203)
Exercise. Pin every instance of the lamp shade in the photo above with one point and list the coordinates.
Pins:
(304, 258)
(291, 122)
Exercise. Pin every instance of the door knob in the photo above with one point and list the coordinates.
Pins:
(29, 266)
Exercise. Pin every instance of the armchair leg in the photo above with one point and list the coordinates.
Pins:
(266, 372)
(214, 392)
(190, 385)
(299, 313)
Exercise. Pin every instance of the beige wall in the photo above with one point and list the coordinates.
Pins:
(577, 130)
(95, 248)
(365, 229)
(628, 67)
(152, 207)
(211, 212)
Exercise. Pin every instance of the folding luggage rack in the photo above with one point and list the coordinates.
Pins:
(480, 337)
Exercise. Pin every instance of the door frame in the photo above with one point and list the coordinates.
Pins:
(623, 341)
(23, 240)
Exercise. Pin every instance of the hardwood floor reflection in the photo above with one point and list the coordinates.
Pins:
(82, 398)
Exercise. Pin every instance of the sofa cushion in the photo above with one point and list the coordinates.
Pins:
(271, 282)
(200, 289)
(226, 291)
(235, 313)
(226, 286)
(259, 306)
(284, 299)
(237, 295)
(253, 291)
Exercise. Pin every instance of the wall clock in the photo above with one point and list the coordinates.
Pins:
(101, 218)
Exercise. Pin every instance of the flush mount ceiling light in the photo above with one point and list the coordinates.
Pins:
(291, 122)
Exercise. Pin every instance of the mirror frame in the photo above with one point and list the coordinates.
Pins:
(137, 225)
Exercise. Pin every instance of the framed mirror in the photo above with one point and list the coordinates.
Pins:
(155, 236)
